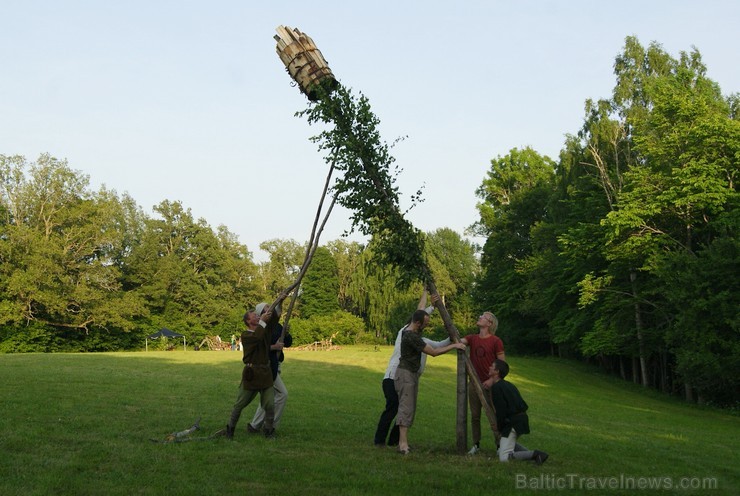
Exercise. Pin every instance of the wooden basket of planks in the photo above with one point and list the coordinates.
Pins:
(304, 62)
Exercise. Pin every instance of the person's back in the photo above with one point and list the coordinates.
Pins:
(510, 407)
(412, 346)
(281, 391)
(255, 356)
(511, 416)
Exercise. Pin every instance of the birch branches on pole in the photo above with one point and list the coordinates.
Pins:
(365, 183)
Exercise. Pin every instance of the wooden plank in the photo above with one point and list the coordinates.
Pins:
(303, 60)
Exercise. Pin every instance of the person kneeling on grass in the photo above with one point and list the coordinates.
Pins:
(511, 416)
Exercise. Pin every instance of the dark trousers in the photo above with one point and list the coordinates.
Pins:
(386, 418)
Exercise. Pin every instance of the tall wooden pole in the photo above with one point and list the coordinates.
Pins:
(461, 420)
(461, 429)
(308, 68)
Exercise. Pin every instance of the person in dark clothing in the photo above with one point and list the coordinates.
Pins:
(276, 358)
(511, 416)
(256, 375)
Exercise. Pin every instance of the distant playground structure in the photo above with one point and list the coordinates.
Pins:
(215, 343)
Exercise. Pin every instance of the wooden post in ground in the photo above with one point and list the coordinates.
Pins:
(461, 422)
(461, 429)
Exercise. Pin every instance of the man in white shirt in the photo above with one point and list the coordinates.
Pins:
(389, 388)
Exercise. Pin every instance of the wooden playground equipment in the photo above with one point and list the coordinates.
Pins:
(323, 345)
(215, 343)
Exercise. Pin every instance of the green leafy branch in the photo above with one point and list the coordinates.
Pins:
(366, 185)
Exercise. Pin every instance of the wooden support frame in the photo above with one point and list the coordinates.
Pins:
(454, 334)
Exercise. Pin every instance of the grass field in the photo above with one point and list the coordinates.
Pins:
(81, 424)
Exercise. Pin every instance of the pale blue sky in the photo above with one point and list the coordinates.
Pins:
(188, 101)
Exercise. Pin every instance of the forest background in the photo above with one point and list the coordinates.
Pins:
(622, 252)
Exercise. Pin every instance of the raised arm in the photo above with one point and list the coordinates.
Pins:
(422, 301)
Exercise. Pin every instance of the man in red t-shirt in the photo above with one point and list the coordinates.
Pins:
(485, 347)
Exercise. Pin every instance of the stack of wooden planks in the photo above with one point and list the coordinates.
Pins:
(303, 61)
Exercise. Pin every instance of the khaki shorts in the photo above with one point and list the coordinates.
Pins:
(407, 387)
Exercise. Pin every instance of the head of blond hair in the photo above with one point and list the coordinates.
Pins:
(493, 320)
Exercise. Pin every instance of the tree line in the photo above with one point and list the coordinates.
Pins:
(623, 252)
(84, 270)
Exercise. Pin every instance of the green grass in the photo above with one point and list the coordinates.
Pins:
(81, 424)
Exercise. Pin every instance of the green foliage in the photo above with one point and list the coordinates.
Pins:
(191, 278)
(130, 274)
(613, 255)
(380, 300)
(88, 271)
(454, 267)
(286, 257)
(320, 286)
(347, 256)
(510, 178)
(31, 339)
(60, 245)
(341, 327)
(705, 335)
(515, 197)
(40, 338)
(365, 184)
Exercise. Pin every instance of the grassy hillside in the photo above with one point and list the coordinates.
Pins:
(81, 424)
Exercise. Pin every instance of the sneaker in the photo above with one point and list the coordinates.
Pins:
(252, 430)
(269, 433)
(540, 457)
(474, 450)
(229, 432)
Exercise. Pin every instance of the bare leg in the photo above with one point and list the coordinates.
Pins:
(403, 441)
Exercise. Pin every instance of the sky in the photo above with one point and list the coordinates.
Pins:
(188, 101)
